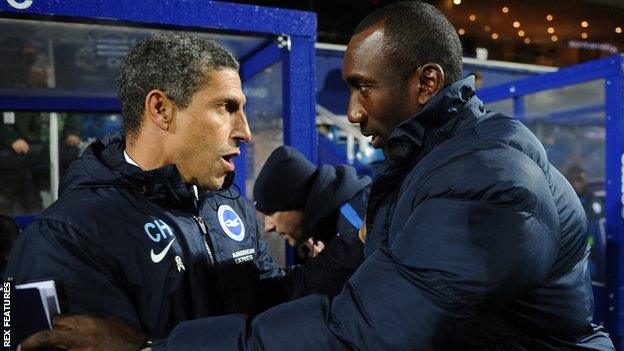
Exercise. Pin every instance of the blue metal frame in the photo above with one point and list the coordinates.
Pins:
(183, 13)
(611, 70)
(13, 102)
(566, 76)
(614, 108)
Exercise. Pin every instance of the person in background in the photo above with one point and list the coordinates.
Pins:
(25, 138)
(306, 204)
(312, 206)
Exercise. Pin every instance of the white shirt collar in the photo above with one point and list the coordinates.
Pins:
(132, 162)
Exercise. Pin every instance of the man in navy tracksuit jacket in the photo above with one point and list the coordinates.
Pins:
(131, 236)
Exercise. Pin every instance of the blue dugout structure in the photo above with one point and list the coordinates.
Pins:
(84, 41)
(578, 113)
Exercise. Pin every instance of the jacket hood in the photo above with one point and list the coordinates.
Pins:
(332, 187)
(103, 164)
(439, 118)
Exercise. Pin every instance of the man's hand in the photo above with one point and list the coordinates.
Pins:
(72, 140)
(315, 248)
(84, 332)
(20, 146)
(362, 231)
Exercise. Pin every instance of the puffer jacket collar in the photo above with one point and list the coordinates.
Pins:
(448, 112)
(453, 107)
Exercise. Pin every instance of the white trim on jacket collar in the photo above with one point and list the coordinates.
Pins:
(132, 162)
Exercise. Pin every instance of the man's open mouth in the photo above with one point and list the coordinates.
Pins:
(375, 138)
(228, 159)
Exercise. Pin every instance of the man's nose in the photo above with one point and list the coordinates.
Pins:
(355, 112)
(240, 130)
(268, 225)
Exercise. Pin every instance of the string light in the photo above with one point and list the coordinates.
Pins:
(551, 30)
(472, 18)
(461, 31)
(520, 33)
(554, 38)
(486, 28)
(505, 9)
(527, 41)
(549, 17)
(618, 30)
(494, 36)
(584, 24)
(584, 35)
(516, 24)
(456, 2)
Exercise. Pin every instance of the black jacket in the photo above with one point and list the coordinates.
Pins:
(475, 242)
(334, 208)
(140, 246)
(337, 202)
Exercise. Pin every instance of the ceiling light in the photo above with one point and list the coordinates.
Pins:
(521, 33)
(516, 24)
(549, 17)
(584, 35)
(618, 30)
(527, 40)
(456, 2)
(461, 31)
(494, 36)
(584, 24)
(486, 28)
(554, 38)
(472, 18)
(505, 9)
(551, 30)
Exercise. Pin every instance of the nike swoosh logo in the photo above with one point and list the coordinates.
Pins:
(158, 257)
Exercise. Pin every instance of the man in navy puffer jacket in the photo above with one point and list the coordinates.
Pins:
(474, 240)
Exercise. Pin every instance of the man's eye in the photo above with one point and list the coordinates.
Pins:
(229, 107)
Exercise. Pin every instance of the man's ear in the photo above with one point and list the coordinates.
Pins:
(430, 80)
(159, 109)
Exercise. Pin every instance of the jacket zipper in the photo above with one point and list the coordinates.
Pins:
(202, 227)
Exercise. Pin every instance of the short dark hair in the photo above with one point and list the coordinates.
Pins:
(416, 33)
(9, 230)
(174, 63)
